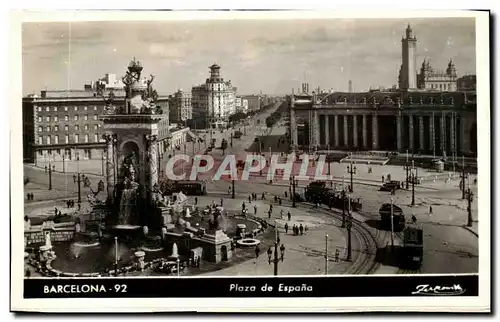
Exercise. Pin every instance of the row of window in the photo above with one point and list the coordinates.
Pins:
(75, 108)
(67, 152)
(66, 118)
(54, 139)
(66, 128)
(441, 86)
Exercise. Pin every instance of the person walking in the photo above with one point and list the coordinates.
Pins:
(286, 228)
(269, 213)
(430, 210)
(282, 213)
(243, 206)
(337, 255)
(254, 209)
(195, 201)
(289, 216)
(301, 229)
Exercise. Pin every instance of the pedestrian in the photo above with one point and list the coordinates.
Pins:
(45, 169)
(306, 229)
(337, 255)
(275, 198)
(257, 251)
(289, 216)
(301, 229)
(286, 194)
(229, 191)
(475, 181)
(271, 208)
(414, 219)
(263, 196)
(254, 209)
(243, 206)
(383, 179)
(430, 210)
(279, 201)
(282, 213)
(286, 228)
(269, 214)
(55, 211)
(79, 207)
(195, 201)
(222, 202)
(249, 199)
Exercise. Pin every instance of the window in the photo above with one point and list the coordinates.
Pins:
(95, 108)
(85, 108)
(76, 117)
(65, 109)
(47, 119)
(55, 108)
(40, 140)
(77, 128)
(86, 127)
(47, 129)
(96, 127)
(86, 117)
(56, 119)
(40, 129)
(40, 153)
(47, 109)
(66, 118)
(86, 154)
(76, 108)
(56, 128)
(66, 139)
(56, 140)
(39, 108)
(95, 117)
(66, 128)
(48, 139)
(77, 138)
(96, 137)
(86, 138)
(40, 119)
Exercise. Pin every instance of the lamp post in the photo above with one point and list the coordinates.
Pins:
(293, 183)
(470, 198)
(50, 175)
(392, 223)
(349, 226)
(351, 170)
(407, 168)
(116, 255)
(463, 176)
(413, 178)
(343, 206)
(277, 257)
(326, 254)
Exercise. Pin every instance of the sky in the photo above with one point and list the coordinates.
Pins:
(272, 56)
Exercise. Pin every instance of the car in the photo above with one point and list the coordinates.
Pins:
(390, 186)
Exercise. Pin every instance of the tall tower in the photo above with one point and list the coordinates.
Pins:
(408, 73)
(350, 86)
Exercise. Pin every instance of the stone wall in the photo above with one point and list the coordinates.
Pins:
(58, 233)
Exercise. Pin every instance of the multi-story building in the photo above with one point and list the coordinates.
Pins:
(65, 123)
(241, 105)
(214, 101)
(428, 78)
(466, 83)
(181, 109)
(253, 102)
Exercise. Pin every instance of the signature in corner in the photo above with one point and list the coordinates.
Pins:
(426, 289)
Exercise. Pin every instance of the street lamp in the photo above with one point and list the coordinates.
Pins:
(293, 182)
(470, 198)
(407, 168)
(50, 175)
(463, 176)
(413, 179)
(343, 206)
(349, 226)
(351, 170)
(277, 257)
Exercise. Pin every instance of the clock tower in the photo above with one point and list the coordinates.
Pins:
(131, 129)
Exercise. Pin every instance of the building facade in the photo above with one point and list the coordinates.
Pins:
(180, 107)
(253, 102)
(66, 125)
(430, 79)
(214, 101)
(241, 105)
(467, 83)
(431, 123)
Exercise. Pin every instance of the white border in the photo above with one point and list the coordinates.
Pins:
(254, 304)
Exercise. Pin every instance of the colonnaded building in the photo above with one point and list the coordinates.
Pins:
(425, 115)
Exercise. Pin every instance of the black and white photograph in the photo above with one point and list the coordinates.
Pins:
(251, 155)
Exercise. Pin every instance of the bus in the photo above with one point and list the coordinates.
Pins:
(190, 188)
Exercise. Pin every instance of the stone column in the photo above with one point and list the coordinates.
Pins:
(346, 131)
(365, 134)
(398, 132)
(110, 164)
(443, 134)
(375, 131)
(433, 134)
(327, 129)
(152, 159)
(315, 129)
(421, 133)
(336, 123)
(410, 125)
(355, 129)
